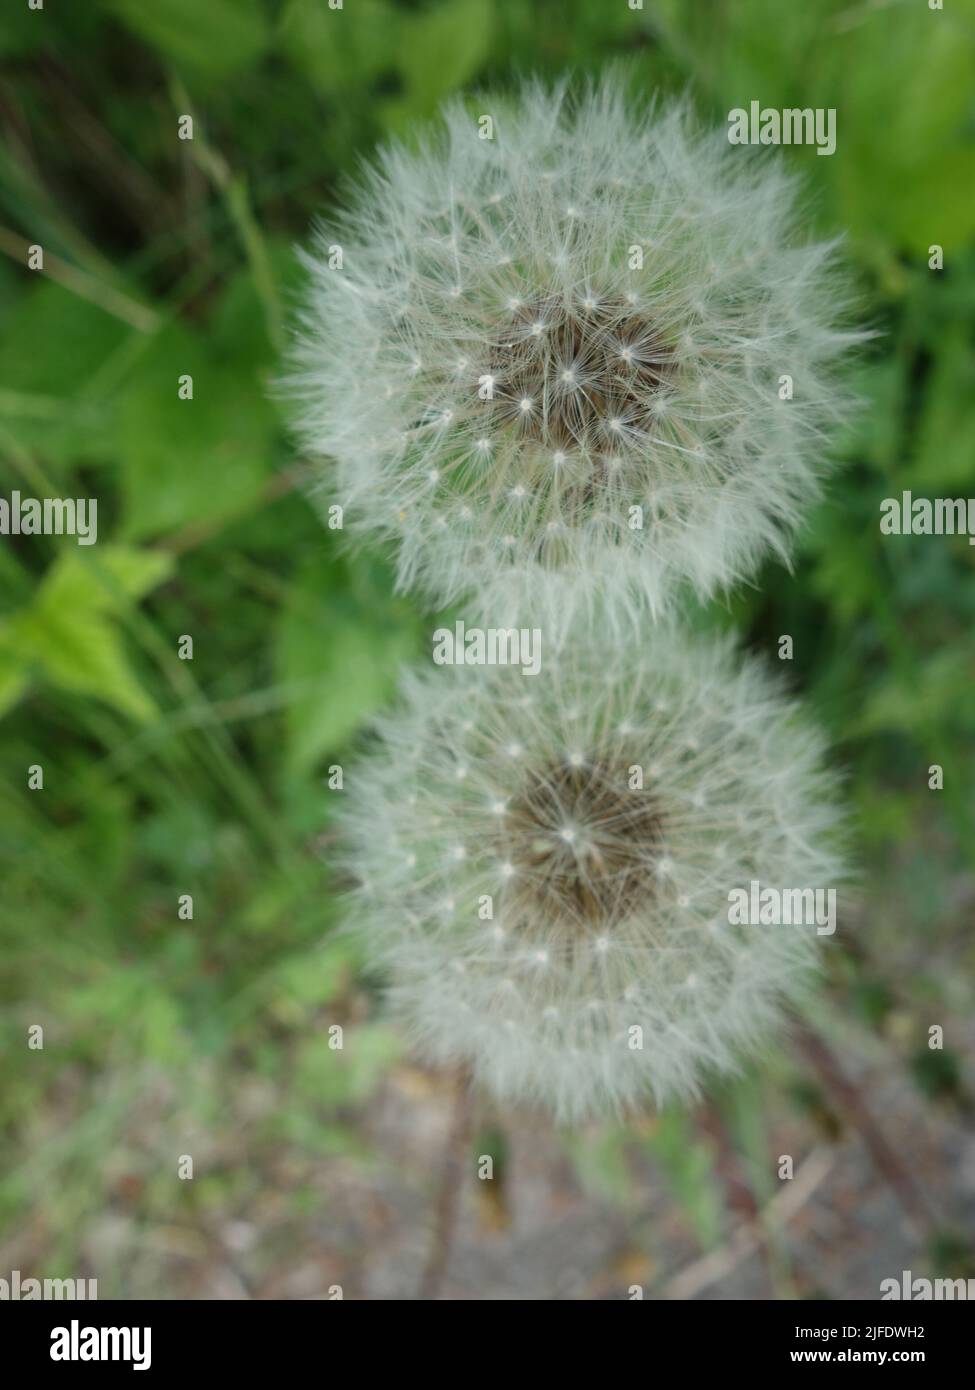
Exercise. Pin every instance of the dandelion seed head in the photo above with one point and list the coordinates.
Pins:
(659, 379)
(607, 901)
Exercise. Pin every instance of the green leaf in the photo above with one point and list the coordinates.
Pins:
(191, 461)
(340, 48)
(53, 343)
(69, 632)
(211, 37)
(340, 660)
(756, 50)
(443, 47)
(902, 146)
(83, 654)
(103, 581)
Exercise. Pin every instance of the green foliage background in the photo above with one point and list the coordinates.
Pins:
(164, 777)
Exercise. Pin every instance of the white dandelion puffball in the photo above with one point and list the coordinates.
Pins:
(590, 347)
(542, 866)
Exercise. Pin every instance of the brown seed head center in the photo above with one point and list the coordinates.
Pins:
(586, 373)
(583, 846)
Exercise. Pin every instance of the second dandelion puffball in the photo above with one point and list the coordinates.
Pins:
(542, 865)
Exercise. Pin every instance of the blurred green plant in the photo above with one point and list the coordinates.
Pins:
(165, 777)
